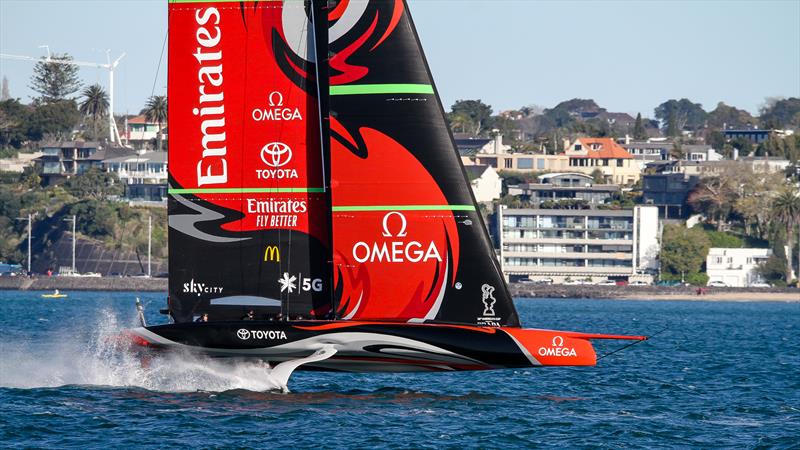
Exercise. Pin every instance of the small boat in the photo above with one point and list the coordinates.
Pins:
(55, 294)
(319, 212)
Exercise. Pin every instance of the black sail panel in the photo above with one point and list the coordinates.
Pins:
(409, 242)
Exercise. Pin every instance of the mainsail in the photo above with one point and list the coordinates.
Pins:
(247, 199)
(409, 243)
(311, 166)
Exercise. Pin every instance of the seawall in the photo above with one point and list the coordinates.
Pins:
(84, 284)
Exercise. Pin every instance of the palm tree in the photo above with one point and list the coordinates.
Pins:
(94, 104)
(155, 110)
(786, 211)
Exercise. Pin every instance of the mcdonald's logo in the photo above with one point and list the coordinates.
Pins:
(272, 253)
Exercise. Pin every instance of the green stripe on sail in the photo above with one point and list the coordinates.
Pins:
(405, 208)
(360, 89)
(243, 190)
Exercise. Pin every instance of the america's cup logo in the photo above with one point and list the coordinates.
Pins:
(488, 300)
(276, 154)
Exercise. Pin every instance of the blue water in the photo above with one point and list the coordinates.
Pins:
(721, 375)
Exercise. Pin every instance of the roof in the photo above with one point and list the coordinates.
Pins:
(475, 171)
(157, 157)
(547, 176)
(111, 152)
(608, 149)
(71, 144)
(468, 147)
(140, 119)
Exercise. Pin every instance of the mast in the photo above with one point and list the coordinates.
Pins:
(73, 220)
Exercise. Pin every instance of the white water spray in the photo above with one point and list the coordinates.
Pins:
(91, 358)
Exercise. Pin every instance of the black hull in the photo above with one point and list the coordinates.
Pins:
(376, 346)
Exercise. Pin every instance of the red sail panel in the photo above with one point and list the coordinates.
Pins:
(409, 243)
(247, 201)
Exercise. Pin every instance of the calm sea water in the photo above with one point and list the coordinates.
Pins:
(721, 375)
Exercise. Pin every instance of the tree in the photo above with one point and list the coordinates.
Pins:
(55, 120)
(94, 184)
(14, 118)
(786, 211)
(94, 105)
(155, 110)
(755, 199)
(639, 133)
(677, 115)
(477, 112)
(728, 116)
(597, 177)
(714, 197)
(55, 81)
(781, 113)
(683, 250)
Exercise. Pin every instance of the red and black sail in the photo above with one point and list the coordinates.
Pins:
(409, 243)
(248, 203)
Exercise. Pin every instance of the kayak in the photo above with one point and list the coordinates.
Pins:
(54, 295)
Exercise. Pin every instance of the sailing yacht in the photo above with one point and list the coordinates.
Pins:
(319, 213)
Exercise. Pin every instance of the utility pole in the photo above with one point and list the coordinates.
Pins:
(29, 219)
(73, 220)
(149, 242)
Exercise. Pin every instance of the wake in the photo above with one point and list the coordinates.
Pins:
(89, 357)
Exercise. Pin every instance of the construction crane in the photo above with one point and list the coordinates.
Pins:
(113, 132)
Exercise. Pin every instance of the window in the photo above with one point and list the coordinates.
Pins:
(540, 164)
(578, 147)
(619, 163)
(509, 163)
(718, 260)
(525, 163)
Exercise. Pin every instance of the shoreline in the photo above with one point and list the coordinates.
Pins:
(638, 293)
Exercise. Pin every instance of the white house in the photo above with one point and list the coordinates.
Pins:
(736, 267)
(486, 183)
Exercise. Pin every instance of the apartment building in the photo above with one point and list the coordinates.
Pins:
(600, 244)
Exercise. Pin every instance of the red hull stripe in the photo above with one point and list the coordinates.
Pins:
(344, 324)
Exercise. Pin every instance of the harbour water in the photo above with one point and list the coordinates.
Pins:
(721, 375)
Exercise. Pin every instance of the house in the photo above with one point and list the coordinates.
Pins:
(647, 151)
(669, 193)
(62, 160)
(699, 152)
(754, 135)
(557, 187)
(617, 165)
(563, 244)
(139, 132)
(19, 163)
(486, 183)
(471, 146)
(736, 267)
(144, 175)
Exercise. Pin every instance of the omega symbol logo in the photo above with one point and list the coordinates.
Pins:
(276, 154)
(403, 224)
(275, 98)
(243, 334)
(558, 341)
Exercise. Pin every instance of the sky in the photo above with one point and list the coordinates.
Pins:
(628, 55)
